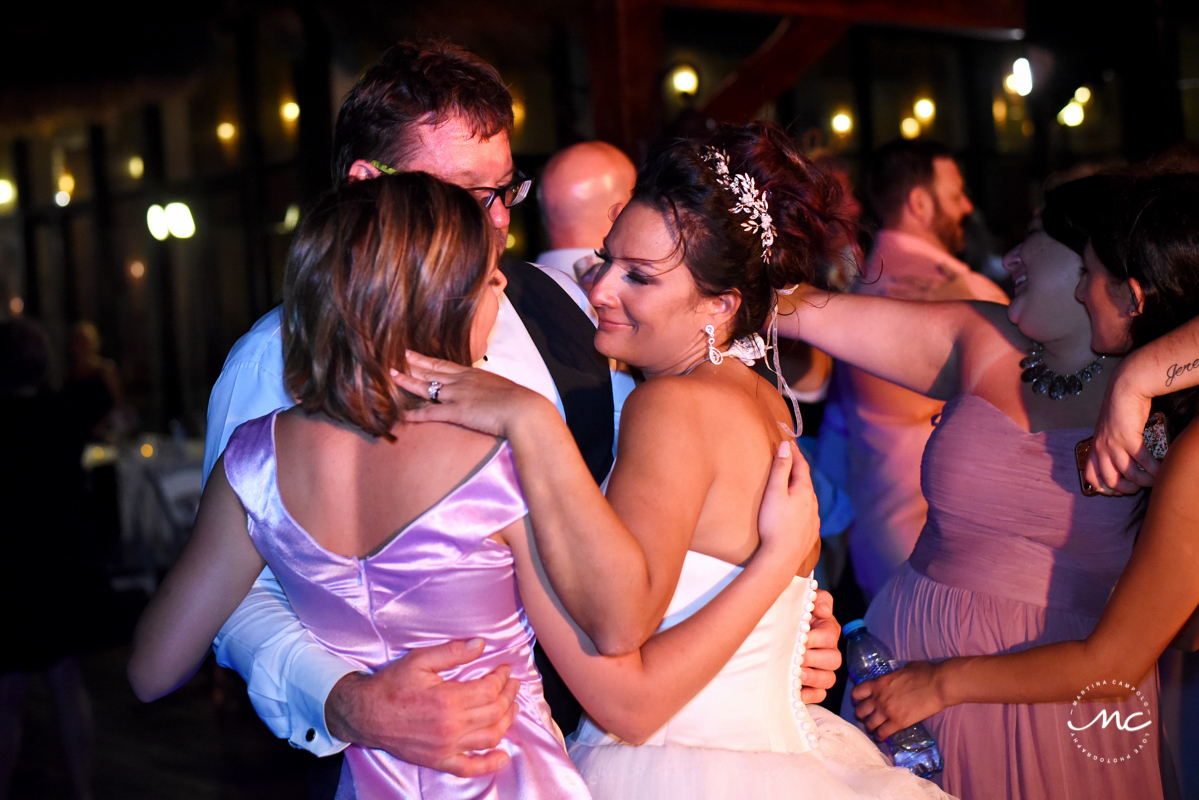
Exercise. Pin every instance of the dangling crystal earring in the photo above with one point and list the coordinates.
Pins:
(714, 355)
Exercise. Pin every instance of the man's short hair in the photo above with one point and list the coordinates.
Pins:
(896, 169)
(416, 83)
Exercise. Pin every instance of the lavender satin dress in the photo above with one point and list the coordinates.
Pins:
(440, 578)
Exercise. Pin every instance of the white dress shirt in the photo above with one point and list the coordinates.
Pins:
(288, 673)
(568, 261)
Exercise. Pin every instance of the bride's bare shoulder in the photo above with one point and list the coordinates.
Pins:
(687, 407)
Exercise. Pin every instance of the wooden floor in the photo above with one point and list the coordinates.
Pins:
(203, 741)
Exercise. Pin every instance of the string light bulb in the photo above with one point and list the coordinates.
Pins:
(179, 220)
(1021, 77)
(684, 79)
(1072, 115)
(156, 221)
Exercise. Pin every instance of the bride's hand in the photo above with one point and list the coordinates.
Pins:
(788, 522)
(467, 396)
(898, 699)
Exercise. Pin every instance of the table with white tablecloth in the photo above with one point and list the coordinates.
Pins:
(159, 482)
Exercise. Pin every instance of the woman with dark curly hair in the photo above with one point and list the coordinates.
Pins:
(693, 268)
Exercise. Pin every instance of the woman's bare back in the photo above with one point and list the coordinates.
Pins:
(352, 492)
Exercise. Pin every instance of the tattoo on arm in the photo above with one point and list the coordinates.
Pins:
(1174, 370)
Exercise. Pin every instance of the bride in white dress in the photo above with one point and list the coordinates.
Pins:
(692, 269)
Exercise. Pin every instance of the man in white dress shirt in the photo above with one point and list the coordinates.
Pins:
(581, 191)
(437, 109)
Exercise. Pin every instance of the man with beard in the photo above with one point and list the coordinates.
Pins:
(918, 195)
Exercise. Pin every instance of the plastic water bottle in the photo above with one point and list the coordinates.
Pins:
(911, 748)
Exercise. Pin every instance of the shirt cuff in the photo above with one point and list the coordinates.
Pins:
(306, 701)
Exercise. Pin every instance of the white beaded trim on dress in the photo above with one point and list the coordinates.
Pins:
(803, 720)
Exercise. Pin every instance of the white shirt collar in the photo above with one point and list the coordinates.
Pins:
(564, 259)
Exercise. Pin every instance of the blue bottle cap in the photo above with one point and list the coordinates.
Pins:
(850, 627)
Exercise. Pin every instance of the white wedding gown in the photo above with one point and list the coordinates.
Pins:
(747, 734)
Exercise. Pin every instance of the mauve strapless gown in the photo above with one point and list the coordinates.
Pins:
(1013, 556)
(440, 578)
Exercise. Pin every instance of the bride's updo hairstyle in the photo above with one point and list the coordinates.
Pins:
(722, 254)
(380, 266)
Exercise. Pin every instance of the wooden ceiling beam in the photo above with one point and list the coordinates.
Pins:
(626, 72)
(993, 15)
(794, 47)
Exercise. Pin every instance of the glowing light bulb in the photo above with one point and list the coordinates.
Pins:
(290, 111)
(147, 450)
(1082, 94)
(62, 198)
(136, 167)
(924, 109)
(511, 242)
(226, 131)
(179, 220)
(518, 112)
(909, 128)
(1072, 115)
(137, 269)
(842, 123)
(685, 79)
(66, 182)
(1009, 83)
(16, 305)
(156, 221)
(999, 111)
(1022, 76)
(7, 191)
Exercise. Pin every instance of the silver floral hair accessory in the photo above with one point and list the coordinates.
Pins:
(749, 199)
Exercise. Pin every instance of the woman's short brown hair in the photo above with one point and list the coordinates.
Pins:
(379, 267)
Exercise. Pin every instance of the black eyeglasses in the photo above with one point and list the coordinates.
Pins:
(510, 194)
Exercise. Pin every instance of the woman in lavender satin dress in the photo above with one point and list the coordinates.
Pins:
(1014, 555)
(388, 536)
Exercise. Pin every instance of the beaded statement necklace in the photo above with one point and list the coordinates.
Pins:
(1046, 381)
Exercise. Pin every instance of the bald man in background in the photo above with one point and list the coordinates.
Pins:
(581, 191)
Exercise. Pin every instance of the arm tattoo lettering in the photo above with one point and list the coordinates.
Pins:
(1174, 370)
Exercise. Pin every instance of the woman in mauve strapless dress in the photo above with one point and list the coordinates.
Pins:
(1141, 270)
(1013, 554)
